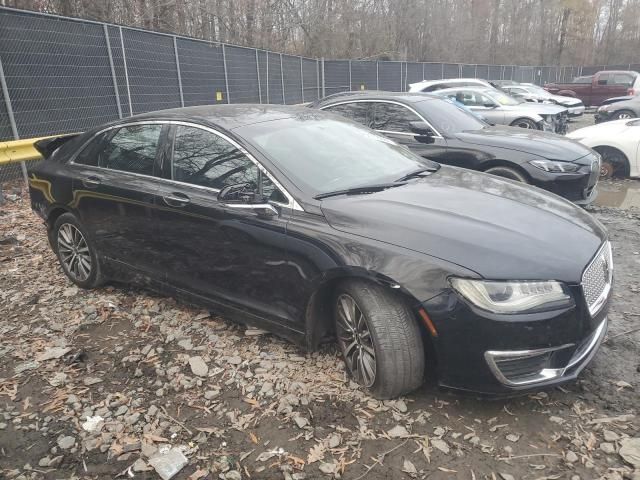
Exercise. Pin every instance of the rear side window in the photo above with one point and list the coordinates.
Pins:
(203, 158)
(438, 86)
(604, 79)
(393, 118)
(93, 153)
(132, 149)
(357, 111)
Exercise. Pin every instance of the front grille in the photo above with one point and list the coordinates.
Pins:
(596, 279)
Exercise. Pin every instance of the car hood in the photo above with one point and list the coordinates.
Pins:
(605, 130)
(565, 101)
(497, 228)
(539, 108)
(541, 144)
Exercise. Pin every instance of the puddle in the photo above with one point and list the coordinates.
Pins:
(619, 194)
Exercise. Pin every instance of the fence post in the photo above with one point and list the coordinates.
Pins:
(12, 120)
(442, 70)
(349, 76)
(258, 74)
(423, 70)
(401, 82)
(475, 71)
(318, 77)
(126, 72)
(226, 76)
(284, 99)
(301, 80)
(267, 55)
(175, 51)
(377, 74)
(323, 79)
(113, 70)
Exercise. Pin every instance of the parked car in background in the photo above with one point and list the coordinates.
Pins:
(317, 228)
(502, 83)
(594, 89)
(617, 99)
(500, 108)
(626, 108)
(436, 129)
(427, 86)
(618, 142)
(533, 93)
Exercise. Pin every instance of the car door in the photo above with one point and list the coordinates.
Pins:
(114, 186)
(226, 251)
(394, 121)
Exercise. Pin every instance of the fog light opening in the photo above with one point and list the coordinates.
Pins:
(428, 323)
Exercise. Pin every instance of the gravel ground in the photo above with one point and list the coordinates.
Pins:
(116, 381)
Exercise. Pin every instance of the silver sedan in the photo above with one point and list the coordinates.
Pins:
(499, 108)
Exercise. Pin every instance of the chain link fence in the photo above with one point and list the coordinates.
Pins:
(62, 75)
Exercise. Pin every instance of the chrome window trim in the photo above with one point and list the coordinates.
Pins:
(293, 204)
(393, 102)
(599, 303)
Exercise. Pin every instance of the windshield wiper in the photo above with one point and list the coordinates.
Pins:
(376, 187)
(418, 173)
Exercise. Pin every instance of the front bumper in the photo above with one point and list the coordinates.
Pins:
(578, 187)
(603, 117)
(576, 111)
(481, 352)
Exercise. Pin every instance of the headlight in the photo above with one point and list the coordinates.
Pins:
(513, 297)
(553, 166)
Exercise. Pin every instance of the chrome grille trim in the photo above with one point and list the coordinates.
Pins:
(597, 279)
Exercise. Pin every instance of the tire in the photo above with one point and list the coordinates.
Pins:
(624, 114)
(507, 172)
(525, 123)
(615, 164)
(388, 329)
(76, 253)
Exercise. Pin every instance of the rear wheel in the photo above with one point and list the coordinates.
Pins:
(614, 163)
(624, 114)
(379, 339)
(525, 123)
(76, 253)
(507, 172)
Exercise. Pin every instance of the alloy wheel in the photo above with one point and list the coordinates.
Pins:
(606, 170)
(523, 124)
(74, 252)
(355, 340)
(623, 116)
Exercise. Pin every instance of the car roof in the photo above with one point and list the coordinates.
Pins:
(226, 116)
(449, 80)
(407, 97)
(473, 89)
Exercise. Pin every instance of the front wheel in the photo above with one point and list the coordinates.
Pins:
(76, 253)
(525, 123)
(506, 172)
(614, 163)
(624, 114)
(379, 339)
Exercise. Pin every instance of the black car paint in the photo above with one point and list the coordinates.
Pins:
(493, 146)
(279, 272)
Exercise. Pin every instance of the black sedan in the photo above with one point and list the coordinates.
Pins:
(627, 107)
(440, 130)
(317, 228)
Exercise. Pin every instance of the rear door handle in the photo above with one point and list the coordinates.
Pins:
(91, 182)
(176, 199)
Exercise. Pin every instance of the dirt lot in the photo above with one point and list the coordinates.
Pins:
(95, 383)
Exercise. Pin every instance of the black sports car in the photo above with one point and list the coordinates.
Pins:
(317, 228)
(440, 130)
(626, 107)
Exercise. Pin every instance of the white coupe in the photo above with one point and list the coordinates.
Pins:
(618, 142)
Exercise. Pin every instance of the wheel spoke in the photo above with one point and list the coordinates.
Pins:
(368, 367)
(75, 254)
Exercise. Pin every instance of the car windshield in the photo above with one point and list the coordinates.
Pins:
(320, 153)
(448, 117)
(504, 99)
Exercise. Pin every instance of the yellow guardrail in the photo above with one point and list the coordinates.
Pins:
(15, 151)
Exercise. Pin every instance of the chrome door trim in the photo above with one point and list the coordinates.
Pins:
(393, 102)
(292, 202)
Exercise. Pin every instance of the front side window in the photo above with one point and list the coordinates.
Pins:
(393, 118)
(93, 153)
(603, 79)
(203, 158)
(623, 79)
(132, 149)
(357, 111)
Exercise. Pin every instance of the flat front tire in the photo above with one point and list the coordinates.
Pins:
(525, 123)
(379, 339)
(76, 253)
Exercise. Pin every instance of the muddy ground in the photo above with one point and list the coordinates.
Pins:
(95, 383)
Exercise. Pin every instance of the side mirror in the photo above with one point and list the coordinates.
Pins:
(490, 105)
(423, 132)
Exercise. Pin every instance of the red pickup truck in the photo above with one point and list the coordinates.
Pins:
(594, 89)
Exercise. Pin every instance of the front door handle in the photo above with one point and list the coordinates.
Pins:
(91, 182)
(176, 199)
